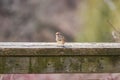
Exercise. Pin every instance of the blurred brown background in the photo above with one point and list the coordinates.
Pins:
(39, 20)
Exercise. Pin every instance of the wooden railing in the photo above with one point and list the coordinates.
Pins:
(25, 57)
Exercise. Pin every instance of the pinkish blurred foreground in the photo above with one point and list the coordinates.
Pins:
(95, 76)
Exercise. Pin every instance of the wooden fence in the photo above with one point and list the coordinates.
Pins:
(26, 57)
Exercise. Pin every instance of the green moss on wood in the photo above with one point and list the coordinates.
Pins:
(58, 51)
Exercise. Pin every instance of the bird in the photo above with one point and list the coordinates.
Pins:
(60, 38)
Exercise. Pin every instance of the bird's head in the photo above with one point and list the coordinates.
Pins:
(58, 33)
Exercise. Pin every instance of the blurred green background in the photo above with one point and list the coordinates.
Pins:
(39, 20)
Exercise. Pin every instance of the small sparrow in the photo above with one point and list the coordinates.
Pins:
(60, 38)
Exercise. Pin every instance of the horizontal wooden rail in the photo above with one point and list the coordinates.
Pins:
(26, 57)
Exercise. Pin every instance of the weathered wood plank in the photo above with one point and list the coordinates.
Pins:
(59, 52)
(51, 49)
(16, 65)
(54, 45)
(25, 57)
(79, 64)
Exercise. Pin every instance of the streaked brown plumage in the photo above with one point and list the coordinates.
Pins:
(60, 38)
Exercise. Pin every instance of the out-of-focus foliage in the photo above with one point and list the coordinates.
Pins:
(95, 14)
(39, 20)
